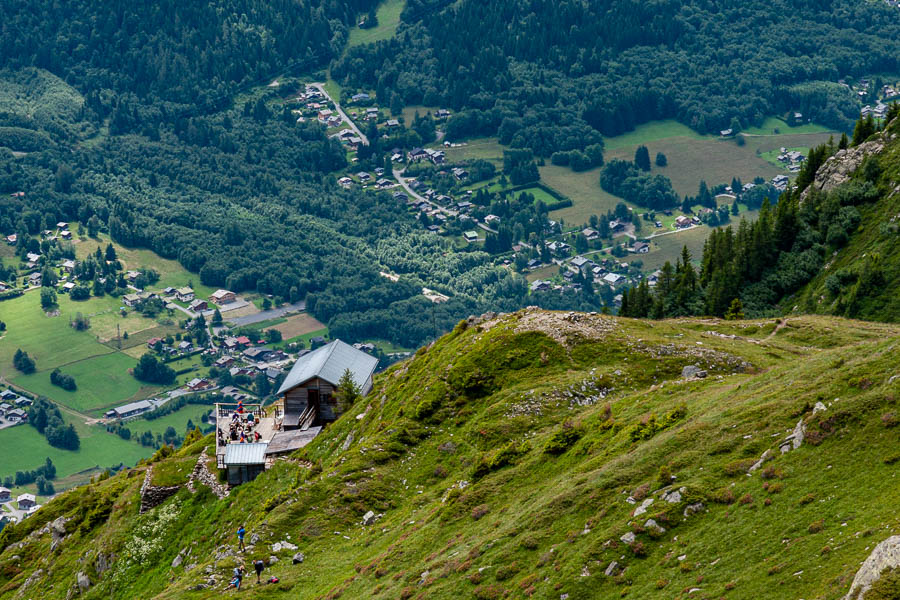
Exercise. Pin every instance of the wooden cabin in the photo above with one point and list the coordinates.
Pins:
(308, 391)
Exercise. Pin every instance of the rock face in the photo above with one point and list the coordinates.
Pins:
(838, 168)
(691, 371)
(83, 582)
(153, 495)
(57, 532)
(643, 507)
(795, 439)
(886, 555)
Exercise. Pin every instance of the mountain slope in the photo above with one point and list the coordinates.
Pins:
(862, 279)
(503, 460)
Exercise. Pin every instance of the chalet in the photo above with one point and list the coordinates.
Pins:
(436, 156)
(534, 263)
(62, 225)
(244, 462)
(363, 176)
(613, 278)
(68, 287)
(640, 248)
(198, 305)
(464, 205)
(353, 142)
(224, 362)
(66, 235)
(360, 97)
(242, 340)
(153, 342)
(726, 132)
(539, 285)
(460, 173)
(5, 494)
(434, 229)
(257, 354)
(22, 401)
(185, 294)
(68, 266)
(581, 263)
(8, 395)
(132, 276)
(558, 247)
(129, 410)
(184, 346)
(11, 239)
(237, 371)
(400, 196)
(492, 220)
(616, 226)
(396, 157)
(416, 154)
(26, 502)
(470, 236)
(197, 384)
(442, 113)
(590, 234)
(32, 257)
(16, 415)
(345, 182)
(34, 279)
(383, 183)
(307, 394)
(392, 123)
(131, 300)
(221, 297)
(4, 406)
(682, 222)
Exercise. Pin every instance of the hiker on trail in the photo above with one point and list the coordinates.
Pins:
(240, 534)
(237, 578)
(258, 565)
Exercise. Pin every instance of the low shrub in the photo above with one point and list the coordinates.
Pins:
(563, 439)
(817, 526)
(808, 498)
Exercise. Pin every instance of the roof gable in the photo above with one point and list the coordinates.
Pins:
(329, 363)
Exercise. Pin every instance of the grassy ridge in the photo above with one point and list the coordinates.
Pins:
(501, 472)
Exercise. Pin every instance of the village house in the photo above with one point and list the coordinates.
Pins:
(590, 234)
(67, 287)
(360, 97)
(16, 415)
(34, 279)
(62, 225)
(197, 384)
(640, 248)
(616, 226)
(613, 278)
(152, 342)
(581, 263)
(492, 220)
(12, 239)
(198, 305)
(66, 235)
(132, 276)
(539, 285)
(5, 494)
(224, 362)
(460, 173)
(131, 300)
(68, 266)
(308, 391)
(26, 502)
(470, 236)
(185, 294)
(682, 221)
(257, 354)
(221, 297)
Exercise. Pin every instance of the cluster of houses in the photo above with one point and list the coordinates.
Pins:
(418, 154)
(792, 159)
(780, 182)
(349, 138)
(24, 502)
(13, 407)
(879, 111)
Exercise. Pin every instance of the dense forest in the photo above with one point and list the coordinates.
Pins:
(551, 75)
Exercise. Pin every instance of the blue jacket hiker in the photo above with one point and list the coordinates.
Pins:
(240, 534)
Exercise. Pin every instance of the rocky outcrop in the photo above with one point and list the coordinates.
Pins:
(153, 495)
(838, 168)
(886, 555)
(202, 474)
(795, 439)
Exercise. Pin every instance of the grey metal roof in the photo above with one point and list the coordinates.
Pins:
(245, 454)
(329, 363)
(134, 406)
(288, 441)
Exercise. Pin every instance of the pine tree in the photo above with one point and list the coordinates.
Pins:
(735, 310)
(642, 158)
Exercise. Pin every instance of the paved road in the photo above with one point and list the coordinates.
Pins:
(340, 111)
(269, 314)
(398, 175)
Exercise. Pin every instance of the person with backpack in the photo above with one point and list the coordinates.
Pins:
(240, 534)
(258, 565)
(237, 578)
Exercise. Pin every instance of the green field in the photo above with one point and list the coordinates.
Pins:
(486, 148)
(103, 382)
(171, 273)
(178, 420)
(303, 338)
(388, 14)
(651, 132)
(538, 193)
(691, 158)
(769, 126)
(668, 248)
(409, 112)
(98, 449)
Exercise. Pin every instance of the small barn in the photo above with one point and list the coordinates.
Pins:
(308, 390)
(244, 462)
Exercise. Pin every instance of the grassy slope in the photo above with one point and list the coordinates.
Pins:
(546, 525)
(388, 14)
